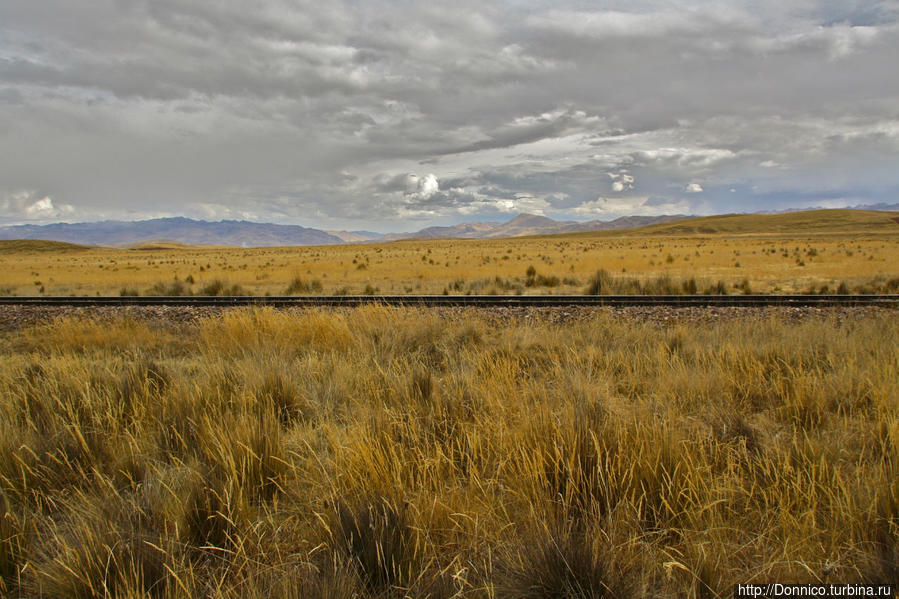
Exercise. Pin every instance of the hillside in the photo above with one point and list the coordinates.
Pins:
(528, 224)
(805, 222)
(21, 246)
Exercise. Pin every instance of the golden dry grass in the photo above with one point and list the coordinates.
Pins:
(775, 253)
(400, 453)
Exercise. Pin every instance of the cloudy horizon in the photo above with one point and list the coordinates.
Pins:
(389, 115)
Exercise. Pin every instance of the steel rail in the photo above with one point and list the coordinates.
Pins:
(463, 300)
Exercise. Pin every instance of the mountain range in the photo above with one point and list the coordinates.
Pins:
(250, 234)
(529, 224)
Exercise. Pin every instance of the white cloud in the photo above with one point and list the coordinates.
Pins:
(428, 185)
(607, 208)
(621, 181)
(693, 188)
(611, 23)
(28, 205)
(211, 211)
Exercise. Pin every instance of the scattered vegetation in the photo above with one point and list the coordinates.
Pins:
(605, 283)
(301, 286)
(786, 253)
(218, 287)
(879, 284)
(173, 288)
(381, 452)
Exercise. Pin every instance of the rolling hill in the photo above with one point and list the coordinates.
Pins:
(16, 246)
(809, 221)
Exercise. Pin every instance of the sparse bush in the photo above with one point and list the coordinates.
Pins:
(536, 280)
(175, 288)
(689, 286)
(300, 285)
(718, 288)
(218, 287)
(605, 283)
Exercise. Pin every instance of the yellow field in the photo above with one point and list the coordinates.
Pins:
(375, 453)
(777, 253)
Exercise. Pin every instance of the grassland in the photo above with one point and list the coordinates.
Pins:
(794, 252)
(380, 453)
(401, 453)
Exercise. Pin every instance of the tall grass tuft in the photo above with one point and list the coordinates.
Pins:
(298, 286)
(605, 283)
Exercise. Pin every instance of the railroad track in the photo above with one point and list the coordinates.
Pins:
(465, 300)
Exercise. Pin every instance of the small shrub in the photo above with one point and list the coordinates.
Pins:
(601, 283)
(175, 288)
(218, 287)
(542, 281)
(301, 286)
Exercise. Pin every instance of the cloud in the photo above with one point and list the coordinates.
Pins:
(30, 206)
(621, 181)
(348, 114)
(428, 186)
(693, 188)
(608, 208)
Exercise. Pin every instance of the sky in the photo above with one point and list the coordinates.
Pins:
(393, 115)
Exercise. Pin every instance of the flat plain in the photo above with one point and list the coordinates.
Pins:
(789, 253)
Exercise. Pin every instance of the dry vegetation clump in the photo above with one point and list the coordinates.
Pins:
(383, 452)
(878, 284)
(301, 286)
(606, 283)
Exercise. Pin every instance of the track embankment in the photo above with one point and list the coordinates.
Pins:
(17, 312)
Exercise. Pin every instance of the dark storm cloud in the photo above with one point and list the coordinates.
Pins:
(364, 114)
